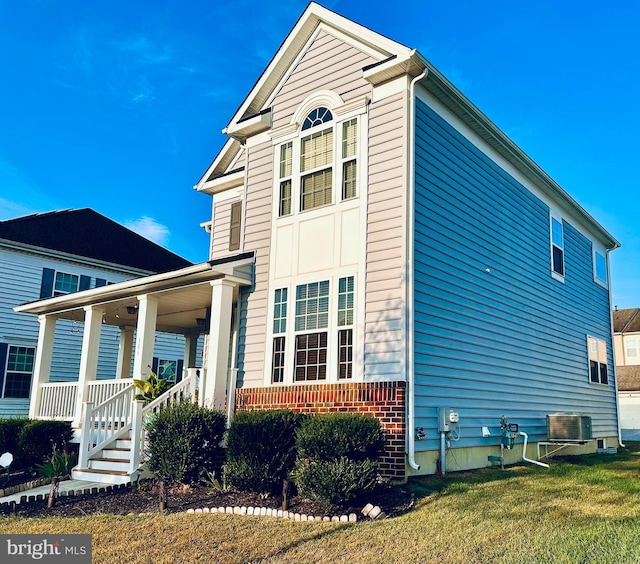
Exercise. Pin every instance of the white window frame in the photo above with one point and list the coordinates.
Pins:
(332, 330)
(57, 292)
(554, 217)
(22, 372)
(632, 347)
(597, 352)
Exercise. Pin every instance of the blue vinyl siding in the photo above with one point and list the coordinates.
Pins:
(511, 341)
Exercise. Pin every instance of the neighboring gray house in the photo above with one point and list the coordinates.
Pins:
(379, 246)
(626, 337)
(58, 253)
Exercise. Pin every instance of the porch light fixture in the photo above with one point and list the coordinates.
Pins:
(201, 321)
(132, 310)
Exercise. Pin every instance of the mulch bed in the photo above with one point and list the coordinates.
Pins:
(143, 498)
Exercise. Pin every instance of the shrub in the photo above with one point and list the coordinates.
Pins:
(261, 449)
(184, 442)
(9, 432)
(337, 457)
(334, 482)
(336, 435)
(36, 439)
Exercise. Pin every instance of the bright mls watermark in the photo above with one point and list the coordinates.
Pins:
(67, 549)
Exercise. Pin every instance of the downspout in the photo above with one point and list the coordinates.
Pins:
(411, 443)
(613, 347)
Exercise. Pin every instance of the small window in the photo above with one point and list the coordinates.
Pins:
(600, 265)
(277, 365)
(349, 163)
(65, 284)
(317, 117)
(234, 228)
(345, 324)
(17, 381)
(280, 311)
(557, 246)
(598, 368)
(286, 170)
(632, 347)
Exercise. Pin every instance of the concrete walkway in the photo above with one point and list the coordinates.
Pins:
(77, 486)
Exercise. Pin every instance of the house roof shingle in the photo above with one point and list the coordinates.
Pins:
(86, 233)
(626, 320)
(628, 378)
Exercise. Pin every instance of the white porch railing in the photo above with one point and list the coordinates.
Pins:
(58, 401)
(101, 390)
(104, 423)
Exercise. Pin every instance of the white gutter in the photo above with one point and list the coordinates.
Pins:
(411, 416)
(613, 346)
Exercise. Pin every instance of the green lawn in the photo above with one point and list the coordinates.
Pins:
(584, 509)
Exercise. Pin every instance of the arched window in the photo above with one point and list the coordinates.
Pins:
(317, 117)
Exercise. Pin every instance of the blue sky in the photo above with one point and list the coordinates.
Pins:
(119, 106)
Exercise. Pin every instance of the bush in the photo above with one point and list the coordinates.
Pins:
(184, 442)
(261, 449)
(36, 440)
(334, 482)
(336, 435)
(337, 457)
(9, 432)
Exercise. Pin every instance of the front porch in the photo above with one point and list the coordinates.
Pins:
(196, 301)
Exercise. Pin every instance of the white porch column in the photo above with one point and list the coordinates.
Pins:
(88, 356)
(213, 386)
(125, 350)
(42, 363)
(145, 336)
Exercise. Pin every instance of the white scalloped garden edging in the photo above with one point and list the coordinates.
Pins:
(269, 512)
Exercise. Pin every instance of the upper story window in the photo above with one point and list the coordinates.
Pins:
(56, 283)
(65, 284)
(557, 247)
(632, 347)
(320, 166)
(600, 267)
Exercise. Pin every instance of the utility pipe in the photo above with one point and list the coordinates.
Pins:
(411, 417)
(443, 452)
(524, 452)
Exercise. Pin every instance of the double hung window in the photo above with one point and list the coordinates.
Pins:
(598, 373)
(557, 246)
(320, 166)
(18, 373)
(65, 283)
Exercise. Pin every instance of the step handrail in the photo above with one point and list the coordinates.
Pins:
(105, 423)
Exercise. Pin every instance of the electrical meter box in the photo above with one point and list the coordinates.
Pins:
(447, 419)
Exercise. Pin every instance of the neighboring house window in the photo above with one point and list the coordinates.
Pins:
(312, 314)
(56, 283)
(632, 347)
(320, 167)
(65, 284)
(18, 372)
(279, 326)
(557, 246)
(600, 266)
(170, 370)
(345, 327)
(598, 372)
(234, 228)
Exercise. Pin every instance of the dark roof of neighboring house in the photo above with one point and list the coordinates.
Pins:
(628, 378)
(86, 233)
(626, 320)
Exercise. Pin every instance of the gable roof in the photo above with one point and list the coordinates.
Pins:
(626, 320)
(86, 233)
(393, 59)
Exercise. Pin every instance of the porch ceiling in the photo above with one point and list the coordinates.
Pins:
(183, 296)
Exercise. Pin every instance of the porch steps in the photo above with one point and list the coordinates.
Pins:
(109, 466)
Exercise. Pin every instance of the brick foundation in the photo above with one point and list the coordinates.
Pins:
(383, 400)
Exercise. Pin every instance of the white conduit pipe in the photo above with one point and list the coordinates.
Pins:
(524, 452)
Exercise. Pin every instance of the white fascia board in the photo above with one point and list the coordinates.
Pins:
(412, 64)
(221, 162)
(223, 183)
(311, 19)
(249, 126)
